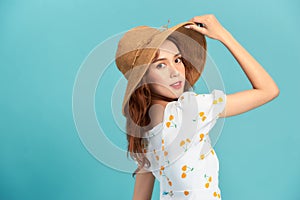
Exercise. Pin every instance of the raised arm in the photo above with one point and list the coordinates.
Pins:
(264, 88)
(144, 182)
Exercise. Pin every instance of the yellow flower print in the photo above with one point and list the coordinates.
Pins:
(219, 100)
(209, 180)
(202, 156)
(161, 172)
(184, 143)
(186, 193)
(163, 145)
(201, 115)
(212, 152)
(156, 156)
(170, 122)
(169, 182)
(201, 136)
(144, 145)
(185, 170)
(165, 152)
(216, 194)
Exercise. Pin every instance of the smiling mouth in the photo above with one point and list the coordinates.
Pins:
(177, 85)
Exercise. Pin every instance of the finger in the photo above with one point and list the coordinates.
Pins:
(198, 18)
(200, 24)
(199, 29)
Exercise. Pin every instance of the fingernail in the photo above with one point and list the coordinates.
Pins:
(187, 26)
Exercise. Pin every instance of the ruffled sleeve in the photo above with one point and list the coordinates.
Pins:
(209, 107)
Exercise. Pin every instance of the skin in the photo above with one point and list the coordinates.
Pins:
(264, 89)
(162, 74)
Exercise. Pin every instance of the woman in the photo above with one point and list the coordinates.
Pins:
(167, 125)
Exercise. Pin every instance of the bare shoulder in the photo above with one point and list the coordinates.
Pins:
(156, 114)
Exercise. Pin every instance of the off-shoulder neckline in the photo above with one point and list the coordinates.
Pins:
(156, 129)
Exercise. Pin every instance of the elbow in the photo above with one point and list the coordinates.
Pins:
(277, 93)
(274, 93)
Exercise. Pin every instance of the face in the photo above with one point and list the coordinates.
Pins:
(167, 73)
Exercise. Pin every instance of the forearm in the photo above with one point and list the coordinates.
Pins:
(256, 74)
(143, 187)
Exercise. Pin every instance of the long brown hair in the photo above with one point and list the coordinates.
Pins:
(137, 116)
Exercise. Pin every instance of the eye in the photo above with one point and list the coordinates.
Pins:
(180, 59)
(159, 65)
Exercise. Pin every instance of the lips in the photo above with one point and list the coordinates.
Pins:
(177, 85)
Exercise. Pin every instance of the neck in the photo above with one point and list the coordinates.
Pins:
(161, 99)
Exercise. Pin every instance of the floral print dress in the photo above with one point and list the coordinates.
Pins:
(179, 149)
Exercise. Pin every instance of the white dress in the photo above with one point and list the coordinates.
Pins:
(179, 149)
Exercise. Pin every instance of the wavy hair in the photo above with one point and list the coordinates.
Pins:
(137, 116)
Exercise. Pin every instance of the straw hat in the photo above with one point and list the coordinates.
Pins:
(137, 48)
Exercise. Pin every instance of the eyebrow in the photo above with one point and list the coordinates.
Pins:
(164, 58)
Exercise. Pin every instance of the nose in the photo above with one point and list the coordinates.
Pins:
(173, 70)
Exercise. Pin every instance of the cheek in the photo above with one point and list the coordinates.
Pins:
(153, 77)
(182, 71)
(159, 79)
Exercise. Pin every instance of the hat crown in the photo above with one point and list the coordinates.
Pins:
(129, 45)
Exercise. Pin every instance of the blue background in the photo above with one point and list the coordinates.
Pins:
(42, 45)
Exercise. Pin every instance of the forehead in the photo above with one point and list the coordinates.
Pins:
(169, 47)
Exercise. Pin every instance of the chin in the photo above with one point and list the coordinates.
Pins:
(170, 92)
(176, 93)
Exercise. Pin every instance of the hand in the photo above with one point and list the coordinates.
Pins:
(212, 28)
